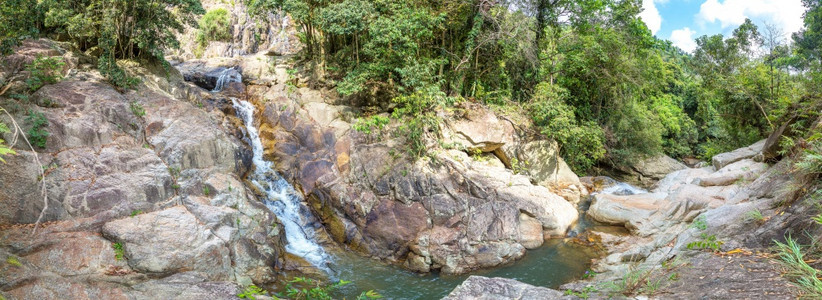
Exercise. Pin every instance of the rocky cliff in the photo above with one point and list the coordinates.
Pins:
(138, 194)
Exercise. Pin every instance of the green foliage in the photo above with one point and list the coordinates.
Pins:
(119, 252)
(370, 124)
(589, 73)
(37, 134)
(18, 19)
(136, 212)
(137, 109)
(120, 29)
(42, 71)
(638, 281)
(206, 190)
(700, 223)
(792, 256)
(754, 215)
(810, 161)
(581, 144)
(4, 149)
(417, 113)
(213, 26)
(301, 288)
(251, 291)
(706, 242)
(13, 261)
(584, 294)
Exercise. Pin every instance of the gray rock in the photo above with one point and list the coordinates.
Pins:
(171, 241)
(658, 167)
(478, 287)
(724, 159)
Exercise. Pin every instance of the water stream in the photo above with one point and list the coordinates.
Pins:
(555, 263)
(281, 197)
(227, 76)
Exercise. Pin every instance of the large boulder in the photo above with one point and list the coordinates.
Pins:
(481, 288)
(742, 170)
(657, 167)
(631, 211)
(479, 130)
(170, 241)
(721, 160)
(540, 160)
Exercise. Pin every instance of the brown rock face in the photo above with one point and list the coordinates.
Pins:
(454, 215)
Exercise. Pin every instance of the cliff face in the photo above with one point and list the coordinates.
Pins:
(272, 33)
(143, 193)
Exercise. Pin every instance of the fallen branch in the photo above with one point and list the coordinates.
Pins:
(18, 131)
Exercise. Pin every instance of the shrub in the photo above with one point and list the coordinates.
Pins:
(37, 134)
(214, 26)
(419, 118)
(581, 143)
(369, 124)
(42, 71)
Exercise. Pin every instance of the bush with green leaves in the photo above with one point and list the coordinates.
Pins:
(581, 143)
(419, 119)
(370, 124)
(44, 70)
(213, 26)
(37, 134)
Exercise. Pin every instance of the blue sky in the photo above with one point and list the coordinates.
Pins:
(682, 21)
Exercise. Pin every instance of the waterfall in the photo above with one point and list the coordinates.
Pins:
(227, 76)
(280, 197)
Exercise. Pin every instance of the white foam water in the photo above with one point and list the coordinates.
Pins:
(281, 197)
(622, 188)
(227, 76)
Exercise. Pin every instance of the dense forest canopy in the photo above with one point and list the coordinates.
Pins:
(589, 73)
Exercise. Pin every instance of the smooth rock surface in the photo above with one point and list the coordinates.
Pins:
(721, 160)
(484, 288)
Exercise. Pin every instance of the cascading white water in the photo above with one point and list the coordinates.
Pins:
(227, 76)
(622, 188)
(282, 199)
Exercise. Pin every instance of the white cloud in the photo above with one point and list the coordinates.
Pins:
(684, 39)
(650, 15)
(786, 14)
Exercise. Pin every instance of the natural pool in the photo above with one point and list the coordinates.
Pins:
(551, 265)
